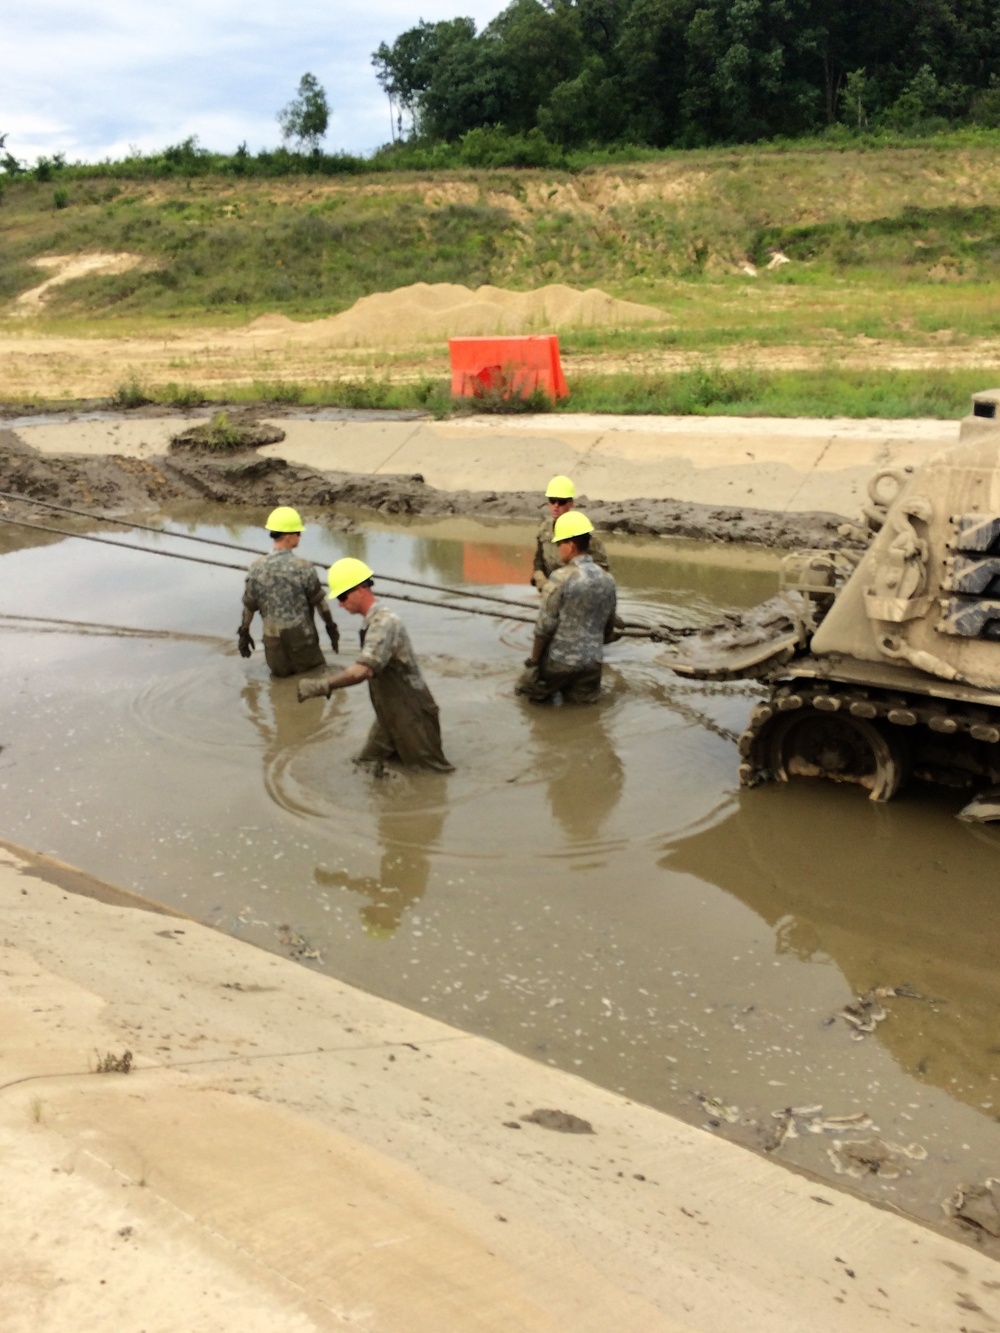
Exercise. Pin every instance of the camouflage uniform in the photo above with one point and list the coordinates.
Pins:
(286, 590)
(406, 724)
(547, 552)
(576, 619)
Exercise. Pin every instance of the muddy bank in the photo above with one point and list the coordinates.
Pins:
(122, 484)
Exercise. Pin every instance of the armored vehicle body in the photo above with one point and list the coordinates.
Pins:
(884, 663)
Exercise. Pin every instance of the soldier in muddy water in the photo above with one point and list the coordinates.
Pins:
(560, 495)
(575, 620)
(406, 727)
(286, 590)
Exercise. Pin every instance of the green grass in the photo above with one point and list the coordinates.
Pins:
(707, 390)
(710, 391)
(225, 248)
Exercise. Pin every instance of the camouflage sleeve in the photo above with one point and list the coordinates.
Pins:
(380, 643)
(548, 612)
(598, 553)
(250, 602)
(541, 537)
(610, 628)
(315, 592)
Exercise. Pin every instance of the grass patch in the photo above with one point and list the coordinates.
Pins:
(705, 390)
(711, 391)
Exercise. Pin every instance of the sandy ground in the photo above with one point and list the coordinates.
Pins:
(40, 367)
(291, 1154)
(776, 482)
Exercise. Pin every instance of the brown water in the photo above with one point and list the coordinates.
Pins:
(589, 886)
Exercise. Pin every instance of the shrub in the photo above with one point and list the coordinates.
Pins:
(130, 394)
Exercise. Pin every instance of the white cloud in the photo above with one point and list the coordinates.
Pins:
(91, 78)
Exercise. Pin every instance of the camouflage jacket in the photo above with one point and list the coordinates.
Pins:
(547, 553)
(576, 614)
(285, 589)
(384, 641)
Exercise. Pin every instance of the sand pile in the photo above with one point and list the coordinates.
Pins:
(426, 312)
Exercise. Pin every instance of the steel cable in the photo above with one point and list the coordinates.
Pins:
(658, 634)
(242, 569)
(253, 550)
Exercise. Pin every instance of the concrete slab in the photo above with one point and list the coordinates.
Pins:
(796, 466)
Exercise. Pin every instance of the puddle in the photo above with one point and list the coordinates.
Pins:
(589, 887)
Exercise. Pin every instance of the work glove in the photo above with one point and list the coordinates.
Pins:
(539, 579)
(314, 687)
(243, 639)
(334, 636)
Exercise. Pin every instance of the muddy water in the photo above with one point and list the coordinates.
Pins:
(589, 886)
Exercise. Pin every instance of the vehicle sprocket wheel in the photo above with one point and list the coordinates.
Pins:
(835, 746)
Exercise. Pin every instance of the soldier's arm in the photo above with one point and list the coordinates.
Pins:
(611, 631)
(352, 675)
(548, 616)
(250, 606)
(312, 687)
(318, 600)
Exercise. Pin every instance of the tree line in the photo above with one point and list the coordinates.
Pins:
(691, 73)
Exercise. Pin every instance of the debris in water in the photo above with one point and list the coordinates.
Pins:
(977, 1206)
(562, 1121)
(297, 945)
(865, 1012)
(718, 1109)
(873, 1157)
(785, 1129)
(812, 1121)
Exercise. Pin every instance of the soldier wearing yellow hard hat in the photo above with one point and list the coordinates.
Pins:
(575, 620)
(560, 496)
(406, 728)
(286, 590)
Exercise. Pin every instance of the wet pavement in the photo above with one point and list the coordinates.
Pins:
(589, 887)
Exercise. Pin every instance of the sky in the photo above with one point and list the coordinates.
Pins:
(94, 78)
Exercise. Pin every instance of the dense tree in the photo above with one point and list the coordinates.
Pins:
(697, 71)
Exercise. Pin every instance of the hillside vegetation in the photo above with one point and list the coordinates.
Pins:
(891, 250)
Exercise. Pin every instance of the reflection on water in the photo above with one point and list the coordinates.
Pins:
(409, 830)
(588, 887)
(577, 761)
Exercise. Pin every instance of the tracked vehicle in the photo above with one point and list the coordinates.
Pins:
(884, 663)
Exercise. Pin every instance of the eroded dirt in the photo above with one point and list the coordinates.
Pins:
(250, 481)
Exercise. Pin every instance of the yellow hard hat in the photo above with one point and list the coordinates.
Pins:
(573, 524)
(560, 488)
(284, 519)
(347, 574)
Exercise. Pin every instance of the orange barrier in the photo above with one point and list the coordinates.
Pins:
(508, 366)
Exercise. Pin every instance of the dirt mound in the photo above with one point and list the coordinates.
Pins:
(431, 312)
(225, 434)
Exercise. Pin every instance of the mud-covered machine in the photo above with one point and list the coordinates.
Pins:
(884, 663)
